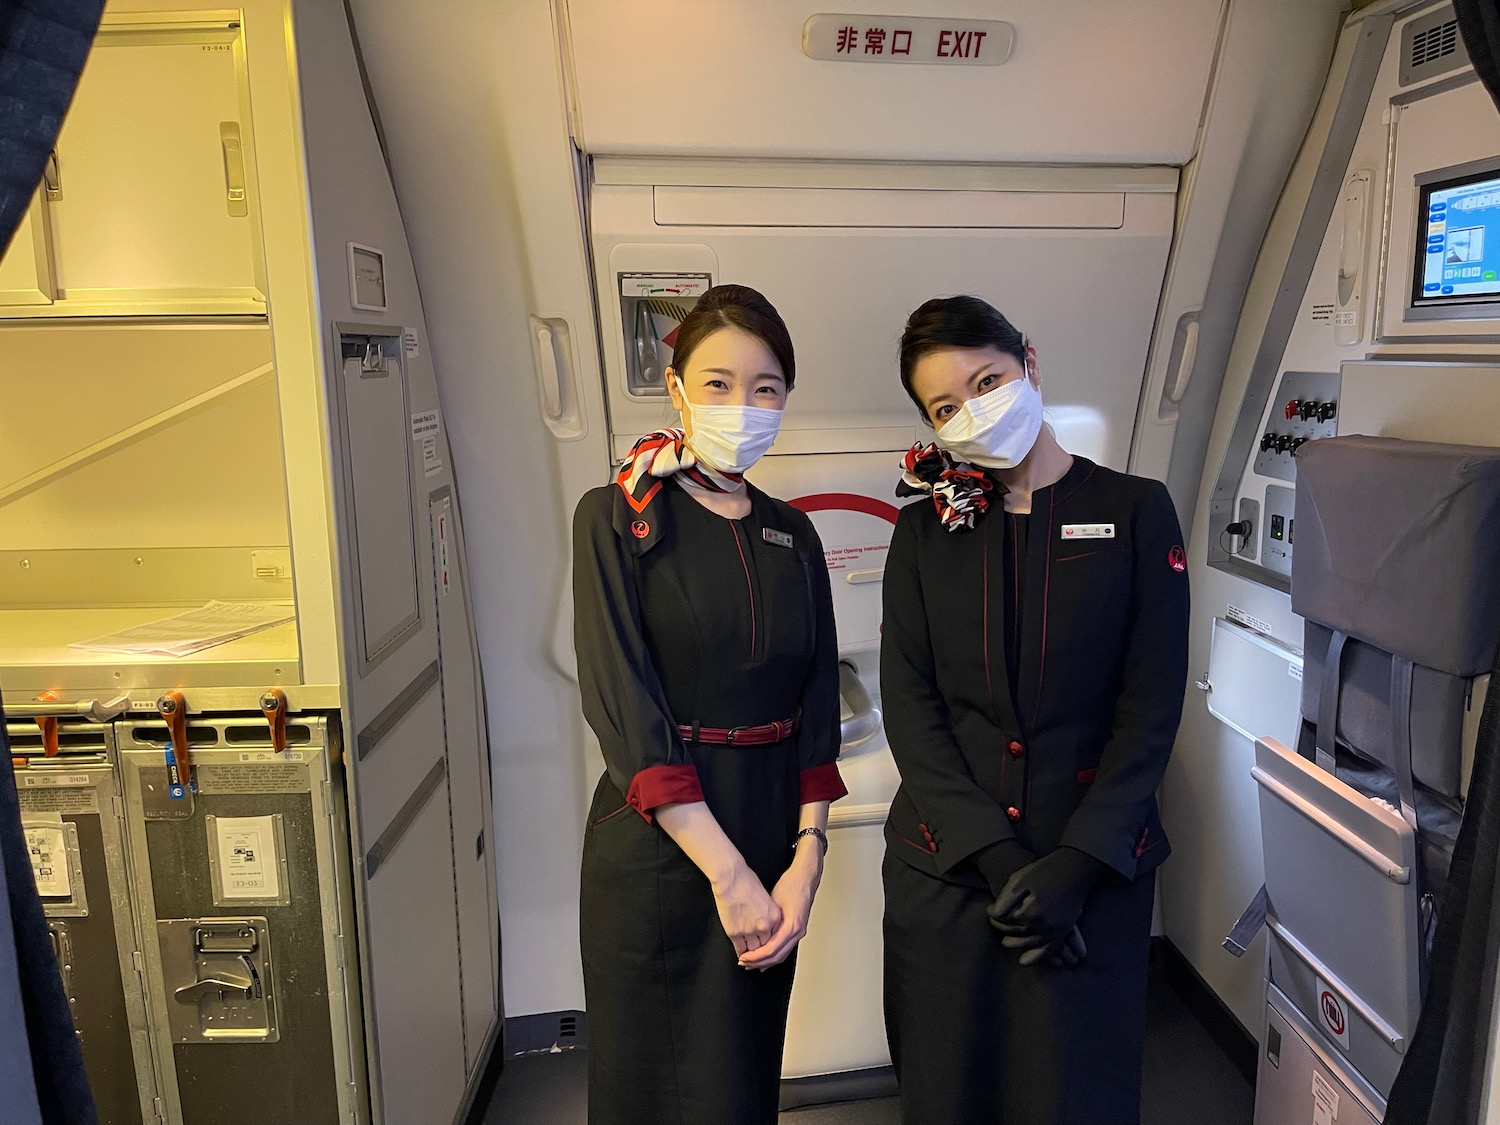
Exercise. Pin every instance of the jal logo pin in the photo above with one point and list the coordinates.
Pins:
(1177, 559)
(640, 529)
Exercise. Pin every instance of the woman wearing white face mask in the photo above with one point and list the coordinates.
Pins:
(708, 668)
(1033, 666)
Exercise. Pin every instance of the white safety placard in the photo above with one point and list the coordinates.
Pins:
(425, 422)
(1325, 1101)
(48, 849)
(249, 866)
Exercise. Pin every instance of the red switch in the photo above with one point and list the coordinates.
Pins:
(1292, 407)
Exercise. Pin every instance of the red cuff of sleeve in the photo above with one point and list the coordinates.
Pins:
(663, 785)
(822, 783)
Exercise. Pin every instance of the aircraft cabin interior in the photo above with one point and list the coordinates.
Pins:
(320, 319)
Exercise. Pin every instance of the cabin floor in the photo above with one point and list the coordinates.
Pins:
(1199, 1067)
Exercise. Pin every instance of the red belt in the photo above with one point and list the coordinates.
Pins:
(763, 735)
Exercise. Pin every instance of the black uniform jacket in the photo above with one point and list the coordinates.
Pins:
(683, 617)
(1101, 676)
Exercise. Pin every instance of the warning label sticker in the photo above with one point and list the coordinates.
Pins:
(288, 777)
(60, 800)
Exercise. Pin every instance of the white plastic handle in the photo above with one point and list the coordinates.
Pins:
(551, 374)
(1185, 360)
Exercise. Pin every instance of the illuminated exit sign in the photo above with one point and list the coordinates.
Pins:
(907, 39)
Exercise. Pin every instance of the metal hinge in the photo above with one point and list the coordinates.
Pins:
(158, 1110)
(139, 961)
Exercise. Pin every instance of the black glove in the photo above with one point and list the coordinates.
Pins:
(1040, 905)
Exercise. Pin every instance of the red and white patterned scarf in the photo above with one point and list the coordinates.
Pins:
(663, 454)
(959, 491)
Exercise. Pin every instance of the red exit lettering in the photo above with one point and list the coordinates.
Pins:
(960, 44)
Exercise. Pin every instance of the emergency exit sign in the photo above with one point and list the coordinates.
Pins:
(928, 40)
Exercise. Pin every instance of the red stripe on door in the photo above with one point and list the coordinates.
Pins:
(846, 502)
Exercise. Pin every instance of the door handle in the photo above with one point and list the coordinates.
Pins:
(52, 177)
(234, 169)
(552, 348)
(864, 719)
(221, 984)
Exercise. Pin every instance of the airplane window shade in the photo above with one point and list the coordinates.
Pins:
(1479, 24)
(42, 51)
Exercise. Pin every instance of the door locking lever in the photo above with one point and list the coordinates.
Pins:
(221, 987)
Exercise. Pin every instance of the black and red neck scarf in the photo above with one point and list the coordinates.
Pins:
(959, 491)
(653, 459)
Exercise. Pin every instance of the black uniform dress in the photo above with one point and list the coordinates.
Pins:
(684, 617)
(1032, 675)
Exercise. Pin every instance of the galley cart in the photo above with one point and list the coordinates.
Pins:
(242, 891)
(72, 815)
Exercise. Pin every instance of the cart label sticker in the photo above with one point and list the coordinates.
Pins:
(272, 756)
(1325, 1101)
(1333, 1013)
(175, 788)
(60, 801)
(409, 340)
(1294, 671)
(47, 848)
(248, 864)
(253, 777)
(48, 780)
(424, 423)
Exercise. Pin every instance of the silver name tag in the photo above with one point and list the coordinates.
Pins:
(776, 538)
(1088, 531)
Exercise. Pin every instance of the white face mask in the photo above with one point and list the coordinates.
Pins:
(730, 438)
(997, 429)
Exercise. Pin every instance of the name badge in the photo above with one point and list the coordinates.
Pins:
(1088, 531)
(776, 538)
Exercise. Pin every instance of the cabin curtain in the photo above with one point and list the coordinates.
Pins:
(43, 45)
(1479, 24)
(1442, 1078)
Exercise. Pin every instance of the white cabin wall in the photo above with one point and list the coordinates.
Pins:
(1256, 117)
(1209, 805)
(476, 194)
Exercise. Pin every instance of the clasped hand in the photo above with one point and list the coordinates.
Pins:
(765, 928)
(1038, 910)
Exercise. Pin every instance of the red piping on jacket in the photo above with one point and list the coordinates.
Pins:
(749, 587)
(985, 602)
